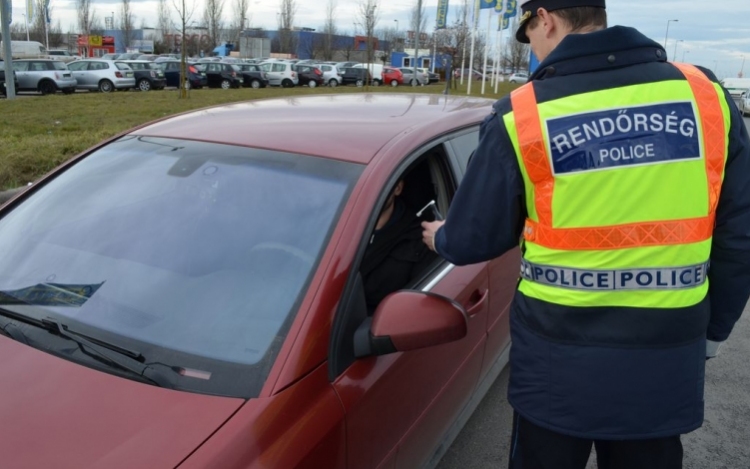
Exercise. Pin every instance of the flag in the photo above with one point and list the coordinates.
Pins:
(500, 6)
(46, 11)
(484, 4)
(29, 10)
(502, 22)
(442, 14)
(511, 7)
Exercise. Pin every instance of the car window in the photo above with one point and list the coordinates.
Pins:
(464, 146)
(98, 66)
(203, 266)
(76, 66)
(21, 66)
(38, 66)
(278, 67)
(122, 66)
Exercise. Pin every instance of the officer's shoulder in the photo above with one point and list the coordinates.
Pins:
(709, 74)
(502, 106)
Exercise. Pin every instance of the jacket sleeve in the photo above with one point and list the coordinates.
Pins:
(729, 274)
(486, 215)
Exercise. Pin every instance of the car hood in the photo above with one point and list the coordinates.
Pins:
(55, 413)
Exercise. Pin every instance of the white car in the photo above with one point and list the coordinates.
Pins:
(280, 74)
(102, 75)
(744, 102)
(331, 76)
(519, 77)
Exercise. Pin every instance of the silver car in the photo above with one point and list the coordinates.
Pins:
(102, 75)
(414, 78)
(44, 75)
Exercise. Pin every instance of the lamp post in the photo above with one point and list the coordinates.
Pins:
(26, 23)
(666, 36)
(674, 53)
(397, 38)
(683, 54)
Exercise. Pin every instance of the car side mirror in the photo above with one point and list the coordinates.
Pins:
(410, 320)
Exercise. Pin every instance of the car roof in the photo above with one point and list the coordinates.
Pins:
(349, 127)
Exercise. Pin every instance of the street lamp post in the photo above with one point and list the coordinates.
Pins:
(26, 23)
(683, 54)
(397, 38)
(674, 53)
(666, 36)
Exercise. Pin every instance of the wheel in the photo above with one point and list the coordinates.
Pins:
(144, 85)
(287, 83)
(255, 84)
(312, 84)
(360, 83)
(394, 83)
(376, 82)
(413, 82)
(333, 83)
(106, 86)
(226, 84)
(47, 87)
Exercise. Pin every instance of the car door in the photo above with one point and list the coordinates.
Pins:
(22, 73)
(213, 74)
(77, 71)
(400, 405)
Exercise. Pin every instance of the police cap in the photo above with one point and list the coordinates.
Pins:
(530, 7)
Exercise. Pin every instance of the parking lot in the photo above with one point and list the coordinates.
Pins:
(720, 444)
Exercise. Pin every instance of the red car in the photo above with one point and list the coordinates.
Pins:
(393, 76)
(187, 295)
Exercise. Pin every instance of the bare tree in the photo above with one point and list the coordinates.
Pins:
(329, 29)
(163, 23)
(516, 54)
(127, 23)
(185, 9)
(387, 38)
(241, 19)
(418, 22)
(212, 19)
(86, 16)
(368, 17)
(288, 10)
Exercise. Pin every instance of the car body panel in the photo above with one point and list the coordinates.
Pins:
(31, 72)
(89, 73)
(66, 415)
(171, 69)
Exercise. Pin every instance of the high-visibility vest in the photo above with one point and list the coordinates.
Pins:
(621, 191)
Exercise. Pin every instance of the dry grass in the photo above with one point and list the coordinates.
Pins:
(37, 133)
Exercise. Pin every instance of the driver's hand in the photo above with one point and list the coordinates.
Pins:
(429, 228)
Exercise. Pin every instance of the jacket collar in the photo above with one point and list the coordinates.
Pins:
(614, 47)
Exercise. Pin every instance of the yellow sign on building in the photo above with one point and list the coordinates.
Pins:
(95, 41)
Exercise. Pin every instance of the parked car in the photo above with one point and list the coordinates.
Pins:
(308, 75)
(354, 76)
(331, 75)
(519, 77)
(221, 75)
(148, 75)
(149, 57)
(343, 65)
(24, 50)
(129, 56)
(744, 102)
(203, 306)
(392, 76)
(431, 76)
(63, 55)
(3, 90)
(102, 75)
(476, 74)
(252, 75)
(376, 72)
(110, 56)
(194, 79)
(413, 77)
(44, 75)
(280, 74)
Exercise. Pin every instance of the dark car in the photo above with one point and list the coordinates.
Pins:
(354, 76)
(222, 75)
(148, 75)
(190, 294)
(2, 80)
(252, 75)
(171, 69)
(308, 75)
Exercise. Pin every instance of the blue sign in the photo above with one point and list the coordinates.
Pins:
(616, 138)
(442, 14)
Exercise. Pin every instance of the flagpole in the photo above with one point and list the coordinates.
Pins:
(473, 38)
(486, 49)
(500, 55)
(463, 61)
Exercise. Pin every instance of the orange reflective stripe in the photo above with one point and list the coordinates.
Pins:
(657, 233)
(661, 233)
(534, 150)
(712, 125)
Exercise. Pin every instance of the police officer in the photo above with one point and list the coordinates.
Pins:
(627, 179)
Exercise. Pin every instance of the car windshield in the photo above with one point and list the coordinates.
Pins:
(195, 254)
(122, 66)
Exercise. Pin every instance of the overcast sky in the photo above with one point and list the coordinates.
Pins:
(715, 35)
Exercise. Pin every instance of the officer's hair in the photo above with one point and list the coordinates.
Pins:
(579, 18)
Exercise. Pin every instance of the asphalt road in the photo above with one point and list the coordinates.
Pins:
(722, 443)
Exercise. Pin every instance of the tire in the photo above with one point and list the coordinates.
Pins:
(394, 83)
(226, 84)
(360, 83)
(413, 82)
(333, 83)
(312, 83)
(376, 82)
(144, 85)
(47, 87)
(106, 86)
(287, 83)
(255, 84)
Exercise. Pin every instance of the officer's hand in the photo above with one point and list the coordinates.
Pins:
(712, 348)
(429, 228)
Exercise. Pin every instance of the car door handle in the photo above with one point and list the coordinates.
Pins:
(476, 301)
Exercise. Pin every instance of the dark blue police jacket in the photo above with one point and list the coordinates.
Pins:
(598, 372)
